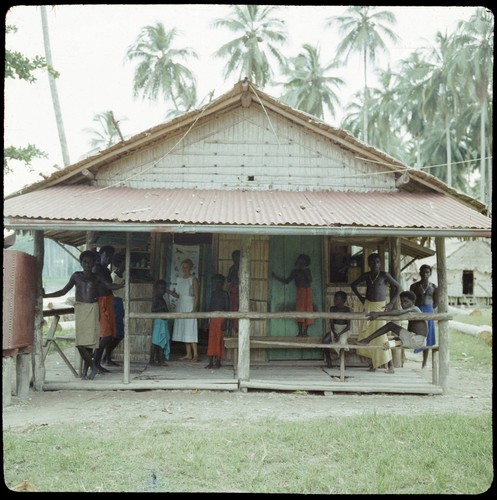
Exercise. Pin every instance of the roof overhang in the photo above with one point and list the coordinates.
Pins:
(66, 213)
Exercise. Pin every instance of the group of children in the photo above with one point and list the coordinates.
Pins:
(94, 313)
(422, 297)
(99, 311)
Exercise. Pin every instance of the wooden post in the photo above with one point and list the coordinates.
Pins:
(244, 324)
(127, 288)
(22, 375)
(37, 356)
(397, 354)
(7, 364)
(443, 307)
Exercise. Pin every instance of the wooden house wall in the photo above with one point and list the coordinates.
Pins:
(245, 150)
(140, 337)
(259, 262)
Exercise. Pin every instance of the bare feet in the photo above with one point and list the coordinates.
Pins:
(390, 370)
(185, 358)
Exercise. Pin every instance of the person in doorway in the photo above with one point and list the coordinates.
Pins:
(378, 285)
(117, 275)
(302, 276)
(107, 319)
(220, 301)
(411, 338)
(86, 312)
(160, 349)
(187, 293)
(427, 300)
(338, 327)
(234, 289)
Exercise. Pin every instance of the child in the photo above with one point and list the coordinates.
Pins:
(427, 300)
(160, 349)
(378, 285)
(219, 302)
(414, 337)
(303, 279)
(233, 289)
(119, 263)
(338, 326)
(86, 312)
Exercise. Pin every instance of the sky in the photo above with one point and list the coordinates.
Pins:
(89, 44)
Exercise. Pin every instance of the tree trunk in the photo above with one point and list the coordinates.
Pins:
(53, 88)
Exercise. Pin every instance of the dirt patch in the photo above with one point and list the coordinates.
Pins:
(470, 392)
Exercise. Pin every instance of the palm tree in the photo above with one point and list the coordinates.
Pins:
(443, 92)
(250, 52)
(106, 134)
(385, 116)
(158, 73)
(411, 81)
(363, 30)
(475, 61)
(53, 88)
(308, 88)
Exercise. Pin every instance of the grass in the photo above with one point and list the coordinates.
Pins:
(432, 454)
(366, 454)
(468, 351)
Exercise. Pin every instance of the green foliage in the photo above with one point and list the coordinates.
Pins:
(258, 37)
(370, 454)
(23, 154)
(160, 72)
(20, 67)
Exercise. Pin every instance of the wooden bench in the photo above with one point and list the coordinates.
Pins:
(314, 343)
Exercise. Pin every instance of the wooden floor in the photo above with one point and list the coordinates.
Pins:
(310, 376)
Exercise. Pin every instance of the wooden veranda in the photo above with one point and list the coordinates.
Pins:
(284, 376)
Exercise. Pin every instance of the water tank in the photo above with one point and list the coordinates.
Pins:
(19, 298)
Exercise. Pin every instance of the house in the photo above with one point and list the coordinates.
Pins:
(248, 172)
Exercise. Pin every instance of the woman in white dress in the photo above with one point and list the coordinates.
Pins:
(186, 330)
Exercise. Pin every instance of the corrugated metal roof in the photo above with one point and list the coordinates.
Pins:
(245, 208)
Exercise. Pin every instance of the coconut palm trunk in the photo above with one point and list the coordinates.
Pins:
(53, 88)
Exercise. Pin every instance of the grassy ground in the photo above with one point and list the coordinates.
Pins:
(367, 454)
(431, 454)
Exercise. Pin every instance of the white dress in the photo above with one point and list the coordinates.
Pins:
(185, 330)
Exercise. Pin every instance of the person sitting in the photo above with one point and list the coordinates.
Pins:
(338, 326)
(414, 337)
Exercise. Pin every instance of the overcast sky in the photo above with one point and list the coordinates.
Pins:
(89, 43)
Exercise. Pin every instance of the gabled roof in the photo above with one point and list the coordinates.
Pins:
(83, 171)
(67, 202)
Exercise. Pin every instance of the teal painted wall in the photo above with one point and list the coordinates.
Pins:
(283, 252)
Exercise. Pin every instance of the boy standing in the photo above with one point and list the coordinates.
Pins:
(217, 326)
(86, 313)
(378, 284)
(303, 280)
(427, 300)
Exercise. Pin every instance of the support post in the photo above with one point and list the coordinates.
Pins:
(244, 324)
(37, 352)
(443, 307)
(127, 288)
